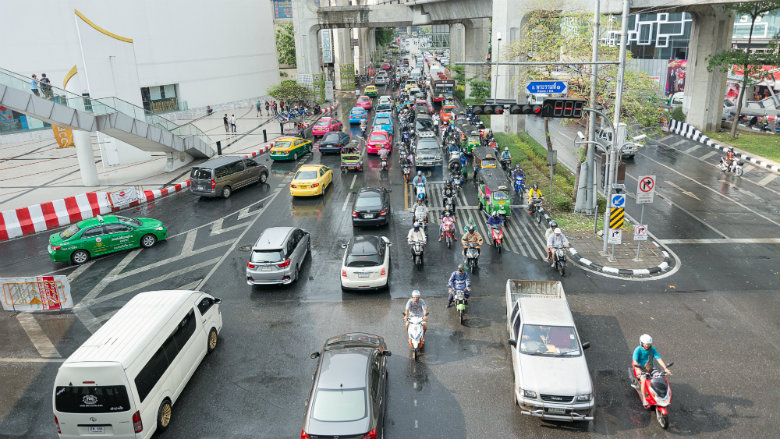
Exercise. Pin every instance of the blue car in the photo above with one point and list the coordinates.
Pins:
(384, 122)
(357, 114)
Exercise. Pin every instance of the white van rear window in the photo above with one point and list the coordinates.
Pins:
(91, 399)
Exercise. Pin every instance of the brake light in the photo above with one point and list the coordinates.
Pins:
(57, 421)
(354, 214)
(138, 424)
(315, 185)
(292, 186)
(383, 212)
(284, 264)
(250, 265)
(213, 183)
(371, 435)
(87, 382)
(56, 247)
(383, 272)
(304, 435)
(343, 273)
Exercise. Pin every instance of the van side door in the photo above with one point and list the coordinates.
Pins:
(237, 176)
(252, 171)
(208, 313)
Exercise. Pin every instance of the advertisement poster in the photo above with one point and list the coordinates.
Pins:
(675, 76)
(38, 293)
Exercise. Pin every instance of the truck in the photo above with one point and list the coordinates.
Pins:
(551, 377)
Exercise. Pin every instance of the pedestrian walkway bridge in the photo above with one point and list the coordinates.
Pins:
(112, 116)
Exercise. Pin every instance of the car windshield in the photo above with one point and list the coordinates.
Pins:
(363, 261)
(368, 201)
(500, 195)
(383, 120)
(283, 144)
(69, 231)
(127, 220)
(305, 175)
(427, 145)
(266, 256)
(357, 111)
(424, 124)
(549, 340)
(330, 137)
(339, 405)
(378, 137)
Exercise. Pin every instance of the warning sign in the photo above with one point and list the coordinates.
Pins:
(616, 218)
(645, 189)
(640, 233)
(39, 293)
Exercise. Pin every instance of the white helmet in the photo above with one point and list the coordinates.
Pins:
(557, 231)
(416, 293)
(646, 339)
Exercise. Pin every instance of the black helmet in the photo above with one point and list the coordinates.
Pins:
(471, 228)
(536, 186)
(553, 224)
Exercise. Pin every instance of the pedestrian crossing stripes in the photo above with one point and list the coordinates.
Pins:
(521, 235)
(616, 218)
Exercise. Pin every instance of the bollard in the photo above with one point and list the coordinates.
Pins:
(219, 147)
(281, 128)
(265, 137)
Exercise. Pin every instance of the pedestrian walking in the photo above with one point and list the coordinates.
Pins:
(281, 106)
(209, 110)
(273, 107)
(34, 85)
(267, 108)
(46, 86)
(259, 106)
(227, 125)
(233, 123)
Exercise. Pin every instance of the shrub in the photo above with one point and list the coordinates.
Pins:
(678, 115)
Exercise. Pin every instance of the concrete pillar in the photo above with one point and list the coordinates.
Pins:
(83, 142)
(457, 43)
(477, 35)
(507, 19)
(307, 46)
(704, 91)
(363, 49)
(342, 49)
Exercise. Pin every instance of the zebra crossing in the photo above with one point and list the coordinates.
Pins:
(522, 235)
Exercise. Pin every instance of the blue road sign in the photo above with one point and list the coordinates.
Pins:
(618, 200)
(546, 87)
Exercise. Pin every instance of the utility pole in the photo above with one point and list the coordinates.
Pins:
(612, 163)
(590, 174)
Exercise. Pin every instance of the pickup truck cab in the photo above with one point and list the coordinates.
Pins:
(551, 377)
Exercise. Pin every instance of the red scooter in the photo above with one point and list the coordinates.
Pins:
(658, 391)
(497, 236)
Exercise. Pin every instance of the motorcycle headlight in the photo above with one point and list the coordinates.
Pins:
(529, 393)
(584, 397)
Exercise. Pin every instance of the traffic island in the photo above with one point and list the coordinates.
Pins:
(586, 249)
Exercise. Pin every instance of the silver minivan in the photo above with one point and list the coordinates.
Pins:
(219, 177)
(277, 256)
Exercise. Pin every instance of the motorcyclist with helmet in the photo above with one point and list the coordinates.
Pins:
(420, 212)
(728, 159)
(448, 190)
(555, 241)
(495, 220)
(472, 237)
(415, 234)
(533, 194)
(459, 280)
(447, 220)
(419, 178)
(518, 172)
(506, 158)
(416, 307)
(642, 361)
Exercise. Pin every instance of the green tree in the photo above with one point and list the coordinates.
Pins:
(480, 89)
(289, 90)
(752, 63)
(285, 44)
(384, 36)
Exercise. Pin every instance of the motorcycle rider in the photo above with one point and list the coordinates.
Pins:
(642, 360)
(555, 241)
(383, 153)
(420, 211)
(419, 178)
(415, 234)
(448, 190)
(459, 280)
(518, 172)
(416, 307)
(495, 220)
(472, 237)
(534, 193)
(728, 159)
(446, 220)
(506, 155)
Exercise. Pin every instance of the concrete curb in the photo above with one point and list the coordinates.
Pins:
(660, 268)
(692, 133)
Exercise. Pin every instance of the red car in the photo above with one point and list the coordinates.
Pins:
(364, 102)
(386, 66)
(379, 140)
(325, 125)
(446, 113)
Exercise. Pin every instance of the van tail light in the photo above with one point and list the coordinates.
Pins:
(371, 435)
(138, 424)
(250, 265)
(213, 183)
(343, 273)
(354, 214)
(383, 272)
(304, 435)
(284, 264)
(57, 421)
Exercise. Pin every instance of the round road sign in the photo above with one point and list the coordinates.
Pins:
(646, 184)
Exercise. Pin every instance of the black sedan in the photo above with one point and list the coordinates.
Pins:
(332, 142)
(371, 207)
(349, 393)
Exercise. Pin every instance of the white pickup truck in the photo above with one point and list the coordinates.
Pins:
(552, 380)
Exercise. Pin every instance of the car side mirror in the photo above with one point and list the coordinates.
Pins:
(387, 353)
(512, 342)
(343, 245)
(586, 345)
(217, 300)
(314, 355)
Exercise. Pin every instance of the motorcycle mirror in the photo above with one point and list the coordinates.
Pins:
(670, 364)
(343, 245)
(314, 355)
(387, 353)
(512, 342)
(586, 345)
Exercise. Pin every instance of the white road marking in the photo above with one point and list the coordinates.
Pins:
(708, 155)
(346, 201)
(189, 242)
(415, 423)
(722, 241)
(690, 150)
(38, 338)
(107, 316)
(679, 142)
(97, 289)
(765, 181)
(223, 216)
(30, 360)
(217, 229)
(688, 193)
(354, 177)
(748, 168)
(77, 272)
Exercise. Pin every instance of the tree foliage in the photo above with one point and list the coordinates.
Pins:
(285, 43)
(480, 89)
(384, 36)
(751, 63)
(289, 90)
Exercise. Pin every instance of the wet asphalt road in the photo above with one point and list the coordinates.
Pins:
(716, 317)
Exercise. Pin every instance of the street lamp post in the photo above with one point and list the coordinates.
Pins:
(498, 57)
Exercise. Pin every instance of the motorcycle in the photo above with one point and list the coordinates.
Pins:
(417, 249)
(448, 203)
(384, 164)
(735, 167)
(519, 185)
(415, 331)
(420, 193)
(407, 171)
(560, 260)
(472, 256)
(535, 208)
(460, 304)
(448, 230)
(497, 236)
(506, 164)
(658, 391)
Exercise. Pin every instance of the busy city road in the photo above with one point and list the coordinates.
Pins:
(257, 382)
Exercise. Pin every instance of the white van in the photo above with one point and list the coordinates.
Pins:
(124, 380)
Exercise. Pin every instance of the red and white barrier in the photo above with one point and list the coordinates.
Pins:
(58, 213)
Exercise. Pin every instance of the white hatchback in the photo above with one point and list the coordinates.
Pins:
(366, 263)
(385, 100)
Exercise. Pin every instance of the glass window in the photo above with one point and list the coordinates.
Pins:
(221, 172)
(261, 256)
(199, 173)
(322, 123)
(516, 327)
(151, 373)
(249, 163)
(500, 195)
(282, 145)
(92, 232)
(305, 175)
(364, 260)
(549, 340)
(339, 405)
(116, 228)
(205, 305)
(236, 167)
(91, 399)
(69, 231)
(185, 330)
(126, 220)
(378, 137)
(368, 201)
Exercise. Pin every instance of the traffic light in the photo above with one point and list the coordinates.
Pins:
(525, 109)
(570, 108)
(487, 109)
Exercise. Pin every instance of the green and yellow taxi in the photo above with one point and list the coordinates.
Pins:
(290, 148)
(102, 235)
(371, 91)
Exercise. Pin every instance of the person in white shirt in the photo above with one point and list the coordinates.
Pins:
(416, 234)
(556, 240)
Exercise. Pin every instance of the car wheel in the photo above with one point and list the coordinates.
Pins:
(226, 191)
(295, 156)
(164, 414)
(263, 178)
(79, 257)
(148, 240)
(212, 341)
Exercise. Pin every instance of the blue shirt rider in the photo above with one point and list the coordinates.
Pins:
(419, 178)
(518, 172)
(495, 220)
(505, 154)
(459, 280)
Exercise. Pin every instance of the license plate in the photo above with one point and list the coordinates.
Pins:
(368, 215)
(556, 411)
(95, 429)
(200, 188)
(364, 275)
(304, 186)
(266, 267)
